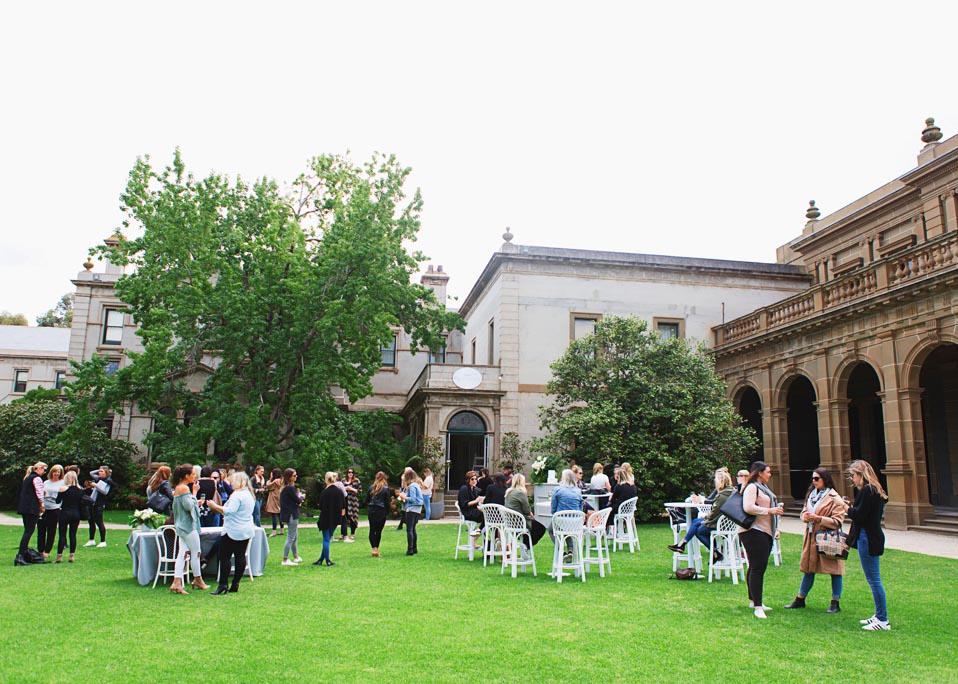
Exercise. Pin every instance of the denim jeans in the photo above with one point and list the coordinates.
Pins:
(809, 579)
(257, 507)
(292, 537)
(872, 576)
(327, 537)
(428, 508)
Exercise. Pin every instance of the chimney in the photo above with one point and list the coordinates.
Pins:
(436, 279)
(113, 241)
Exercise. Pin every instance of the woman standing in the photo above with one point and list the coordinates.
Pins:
(823, 510)
(378, 501)
(30, 507)
(102, 491)
(207, 493)
(412, 498)
(332, 508)
(159, 493)
(757, 540)
(47, 525)
(866, 535)
(290, 502)
(353, 487)
(238, 529)
(273, 489)
(258, 482)
(70, 499)
(186, 522)
(427, 485)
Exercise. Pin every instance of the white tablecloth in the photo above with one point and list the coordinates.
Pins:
(142, 548)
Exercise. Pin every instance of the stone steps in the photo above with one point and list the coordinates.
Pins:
(950, 530)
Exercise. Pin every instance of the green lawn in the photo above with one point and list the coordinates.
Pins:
(429, 618)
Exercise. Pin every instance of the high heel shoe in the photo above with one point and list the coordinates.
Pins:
(198, 583)
(179, 590)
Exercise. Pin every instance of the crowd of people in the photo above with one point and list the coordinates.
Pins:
(201, 496)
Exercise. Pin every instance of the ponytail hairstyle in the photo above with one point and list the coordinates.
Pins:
(180, 472)
(30, 469)
(865, 471)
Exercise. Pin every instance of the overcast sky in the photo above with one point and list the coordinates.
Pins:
(694, 129)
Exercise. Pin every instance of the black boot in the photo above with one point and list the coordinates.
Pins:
(20, 560)
(834, 607)
(677, 548)
(799, 602)
(219, 591)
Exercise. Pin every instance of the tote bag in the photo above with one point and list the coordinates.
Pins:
(734, 509)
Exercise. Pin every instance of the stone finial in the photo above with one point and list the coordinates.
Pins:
(812, 213)
(932, 133)
(88, 264)
(507, 236)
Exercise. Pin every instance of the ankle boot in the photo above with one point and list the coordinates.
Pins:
(834, 607)
(59, 558)
(799, 602)
(20, 560)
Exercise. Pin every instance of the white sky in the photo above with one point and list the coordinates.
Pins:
(694, 129)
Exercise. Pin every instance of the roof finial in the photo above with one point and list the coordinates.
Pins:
(507, 236)
(932, 133)
(88, 264)
(812, 213)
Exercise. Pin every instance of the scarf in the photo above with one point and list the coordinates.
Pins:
(815, 499)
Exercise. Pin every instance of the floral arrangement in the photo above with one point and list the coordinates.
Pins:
(543, 464)
(147, 518)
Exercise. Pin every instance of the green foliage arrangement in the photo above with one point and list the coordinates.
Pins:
(268, 301)
(625, 394)
(512, 451)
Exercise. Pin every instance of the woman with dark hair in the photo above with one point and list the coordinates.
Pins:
(186, 522)
(258, 482)
(496, 492)
(332, 508)
(377, 501)
(290, 502)
(866, 535)
(30, 507)
(207, 492)
(103, 488)
(484, 481)
(758, 500)
(469, 500)
(351, 521)
(273, 488)
(823, 510)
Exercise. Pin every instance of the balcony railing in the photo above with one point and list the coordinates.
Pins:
(439, 376)
(897, 269)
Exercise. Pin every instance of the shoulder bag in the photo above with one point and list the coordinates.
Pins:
(734, 510)
(159, 502)
(832, 544)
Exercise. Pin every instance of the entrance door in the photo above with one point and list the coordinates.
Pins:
(467, 446)
(803, 454)
(939, 407)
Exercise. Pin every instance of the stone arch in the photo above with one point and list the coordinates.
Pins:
(915, 358)
(845, 368)
(747, 401)
(937, 383)
(467, 434)
(860, 416)
(798, 397)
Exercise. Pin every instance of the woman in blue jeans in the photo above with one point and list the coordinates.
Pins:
(866, 535)
(332, 510)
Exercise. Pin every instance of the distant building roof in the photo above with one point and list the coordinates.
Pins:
(25, 339)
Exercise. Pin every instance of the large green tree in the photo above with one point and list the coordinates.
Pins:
(625, 394)
(7, 318)
(278, 298)
(60, 316)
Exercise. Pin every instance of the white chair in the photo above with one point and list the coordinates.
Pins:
(494, 541)
(724, 539)
(516, 533)
(471, 527)
(167, 546)
(624, 526)
(567, 525)
(595, 530)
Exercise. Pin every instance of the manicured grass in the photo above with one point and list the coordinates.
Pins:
(430, 618)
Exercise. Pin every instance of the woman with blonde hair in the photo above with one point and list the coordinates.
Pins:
(238, 529)
(70, 500)
(412, 498)
(332, 509)
(378, 500)
(702, 528)
(517, 499)
(30, 507)
(48, 523)
(867, 537)
(599, 479)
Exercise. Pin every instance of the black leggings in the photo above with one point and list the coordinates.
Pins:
(376, 525)
(96, 523)
(47, 530)
(412, 538)
(230, 548)
(276, 521)
(29, 525)
(351, 524)
(68, 523)
(758, 546)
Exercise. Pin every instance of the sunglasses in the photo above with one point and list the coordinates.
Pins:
(816, 478)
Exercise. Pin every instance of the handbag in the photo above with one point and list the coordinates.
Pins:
(685, 574)
(832, 544)
(734, 510)
(159, 502)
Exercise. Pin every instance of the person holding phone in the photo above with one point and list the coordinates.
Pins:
(103, 487)
(758, 500)
(290, 501)
(413, 503)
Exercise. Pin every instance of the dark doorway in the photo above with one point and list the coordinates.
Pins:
(750, 408)
(939, 411)
(466, 446)
(866, 423)
(803, 454)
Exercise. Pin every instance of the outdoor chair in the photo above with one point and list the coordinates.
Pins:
(724, 539)
(624, 527)
(567, 525)
(595, 531)
(471, 526)
(494, 542)
(515, 533)
(167, 546)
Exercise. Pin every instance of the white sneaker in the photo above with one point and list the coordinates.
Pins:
(349, 541)
(877, 626)
(474, 533)
(867, 621)
(759, 613)
(92, 542)
(101, 545)
(297, 560)
(751, 604)
(288, 562)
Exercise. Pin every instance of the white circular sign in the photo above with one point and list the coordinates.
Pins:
(467, 378)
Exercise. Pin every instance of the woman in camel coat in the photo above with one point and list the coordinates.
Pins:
(824, 510)
(273, 489)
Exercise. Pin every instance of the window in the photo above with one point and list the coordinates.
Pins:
(112, 366)
(438, 356)
(473, 350)
(20, 381)
(113, 326)
(389, 354)
(61, 379)
(583, 325)
(491, 358)
(669, 328)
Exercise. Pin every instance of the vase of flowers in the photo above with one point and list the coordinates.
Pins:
(543, 464)
(147, 518)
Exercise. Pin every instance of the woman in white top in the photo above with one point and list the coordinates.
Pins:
(238, 529)
(47, 525)
(427, 484)
(599, 479)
